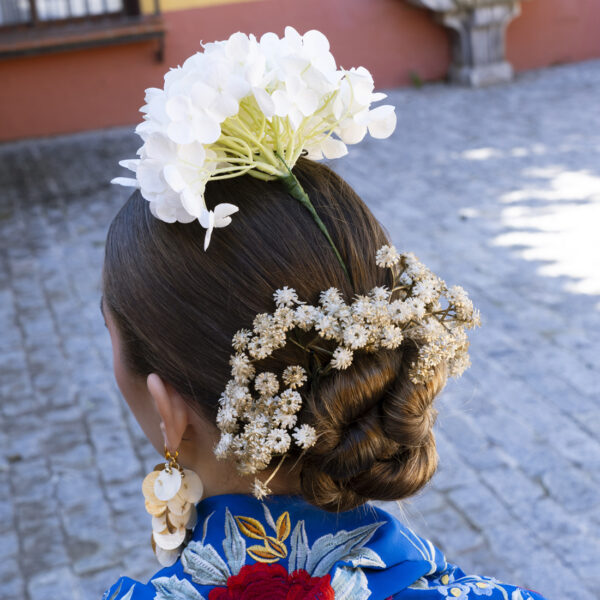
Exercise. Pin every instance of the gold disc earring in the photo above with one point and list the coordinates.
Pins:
(171, 493)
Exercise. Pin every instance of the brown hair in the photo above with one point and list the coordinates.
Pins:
(177, 308)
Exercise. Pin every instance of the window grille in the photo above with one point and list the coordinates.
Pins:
(40, 26)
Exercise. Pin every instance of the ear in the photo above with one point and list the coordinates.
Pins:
(172, 409)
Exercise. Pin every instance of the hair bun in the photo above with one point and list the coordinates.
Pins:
(375, 432)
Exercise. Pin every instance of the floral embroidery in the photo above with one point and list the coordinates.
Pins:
(274, 549)
(273, 582)
(467, 587)
(247, 556)
(306, 578)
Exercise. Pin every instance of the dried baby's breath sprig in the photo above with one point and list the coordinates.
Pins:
(254, 429)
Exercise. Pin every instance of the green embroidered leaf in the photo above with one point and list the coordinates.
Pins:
(173, 588)
(204, 564)
(365, 557)
(298, 548)
(234, 545)
(350, 584)
(329, 549)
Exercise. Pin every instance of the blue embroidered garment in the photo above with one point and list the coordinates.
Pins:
(285, 548)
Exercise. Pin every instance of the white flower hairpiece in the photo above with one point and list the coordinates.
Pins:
(248, 106)
(254, 428)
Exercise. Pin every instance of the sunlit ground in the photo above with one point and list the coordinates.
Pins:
(556, 220)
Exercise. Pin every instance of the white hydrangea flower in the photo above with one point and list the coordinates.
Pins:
(202, 125)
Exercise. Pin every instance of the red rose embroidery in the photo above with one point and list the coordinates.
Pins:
(260, 581)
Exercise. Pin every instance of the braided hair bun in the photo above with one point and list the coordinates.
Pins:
(375, 432)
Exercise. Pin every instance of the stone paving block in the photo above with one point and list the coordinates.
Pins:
(572, 488)
(93, 585)
(11, 580)
(538, 571)
(55, 583)
(464, 539)
(513, 487)
(480, 506)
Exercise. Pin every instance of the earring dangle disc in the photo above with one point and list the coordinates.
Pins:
(171, 493)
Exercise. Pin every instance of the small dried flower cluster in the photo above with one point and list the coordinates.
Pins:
(171, 496)
(254, 429)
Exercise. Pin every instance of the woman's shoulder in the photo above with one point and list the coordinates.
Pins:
(244, 546)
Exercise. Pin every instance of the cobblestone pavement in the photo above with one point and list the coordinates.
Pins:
(495, 189)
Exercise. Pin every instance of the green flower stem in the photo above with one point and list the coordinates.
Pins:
(295, 190)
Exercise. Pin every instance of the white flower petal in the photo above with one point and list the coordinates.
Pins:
(315, 42)
(383, 121)
(222, 212)
(206, 130)
(265, 102)
(174, 178)
(130, 163)
(149, 176)
(193, 202)
(351, 132)
(178, 108)
(224, 106)
(202, 95)
(126, 181)
(307, 102)
(282, 102)
(377, 96)
(180, 132)
(192, 154)
(160, 147)
(333, 148)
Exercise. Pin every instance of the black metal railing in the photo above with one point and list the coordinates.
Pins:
(40, 26)
(41, 12)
